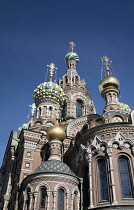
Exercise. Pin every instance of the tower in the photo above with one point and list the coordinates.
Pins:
(78, 99)
(109, 87)
(53, 180)
(49, 97)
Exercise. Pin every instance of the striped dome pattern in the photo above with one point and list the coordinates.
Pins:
(71, 56)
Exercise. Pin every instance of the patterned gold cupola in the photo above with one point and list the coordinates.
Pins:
(48, 97)
(109, 86)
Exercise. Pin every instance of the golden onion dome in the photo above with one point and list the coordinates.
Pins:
(56, 132)
(109, 82)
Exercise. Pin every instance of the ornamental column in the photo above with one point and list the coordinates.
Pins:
(35, 200)
(109, 152)
(31, 200)
(89, 158)
(48, 200)
(72, 200)
(67, 201)
(54, 200)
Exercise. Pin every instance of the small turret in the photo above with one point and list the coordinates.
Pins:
(109, 87)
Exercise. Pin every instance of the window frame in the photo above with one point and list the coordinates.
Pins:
(58, 200)
(130, 177)
(43, 199)
(79, 110)
(103, 174)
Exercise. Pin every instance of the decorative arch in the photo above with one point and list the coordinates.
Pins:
(61, 186)
(80, 97)
(75, 190)
(76, 198)
(42, 184)
(37, 122)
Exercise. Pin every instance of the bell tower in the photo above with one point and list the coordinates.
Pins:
(78, 100)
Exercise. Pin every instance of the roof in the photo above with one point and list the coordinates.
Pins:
(54, 166)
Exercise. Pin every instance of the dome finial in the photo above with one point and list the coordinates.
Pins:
(106, 63)
(52, 67)
(71, 46)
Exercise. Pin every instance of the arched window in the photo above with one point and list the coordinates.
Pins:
(125, 178)
(60, 199)
(102, 178)
(75, 205)
(63, 114)
(78, 108)
(50, 110)
(43, 196)
(39, 111)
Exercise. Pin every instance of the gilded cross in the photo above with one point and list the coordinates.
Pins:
(52, 67)
(72, 45)
(107, 63)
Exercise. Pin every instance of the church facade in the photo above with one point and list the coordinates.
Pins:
(68, 157)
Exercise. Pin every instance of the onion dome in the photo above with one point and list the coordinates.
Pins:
(72, 56)
(109, 82)
(49, 90)
(56, 132)
(124, 107)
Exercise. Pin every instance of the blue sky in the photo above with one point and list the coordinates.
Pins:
(36, 33)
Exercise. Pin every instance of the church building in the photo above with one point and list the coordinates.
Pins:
(67, 157)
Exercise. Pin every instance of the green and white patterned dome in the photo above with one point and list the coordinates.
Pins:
(71, 56)
(49, 90)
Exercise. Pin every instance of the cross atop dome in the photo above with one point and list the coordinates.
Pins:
(52, 67)
(71, 47)
(107, 63)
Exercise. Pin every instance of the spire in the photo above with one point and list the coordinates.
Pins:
(106, 62)
(52, 67)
